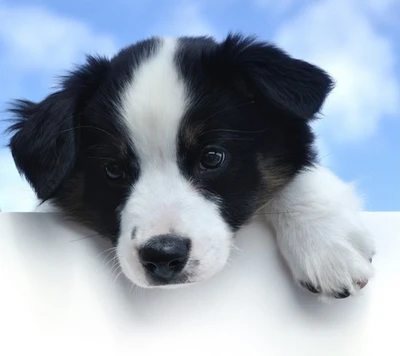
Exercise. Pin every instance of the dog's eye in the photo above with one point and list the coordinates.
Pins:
(212, 158)
(113, 171)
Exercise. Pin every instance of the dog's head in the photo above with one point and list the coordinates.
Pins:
(171, 146)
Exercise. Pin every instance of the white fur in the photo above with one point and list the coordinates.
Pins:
(320, 233)
(162, 200)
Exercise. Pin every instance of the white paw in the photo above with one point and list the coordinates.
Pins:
(321, 235)
(334, 258)
(339, 271)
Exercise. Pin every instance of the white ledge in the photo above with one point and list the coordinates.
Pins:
(58, 297)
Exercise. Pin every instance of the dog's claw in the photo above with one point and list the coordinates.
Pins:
(309, 286)
(343, 294)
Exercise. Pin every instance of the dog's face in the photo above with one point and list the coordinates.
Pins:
(171, 146)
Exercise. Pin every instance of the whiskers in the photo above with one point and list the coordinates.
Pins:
(87, 237)
(236, 249)
(113, 260)
(110, 251)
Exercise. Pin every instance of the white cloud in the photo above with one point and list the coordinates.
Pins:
(340, 36)
(15, 193)
(186, 18)
(277, 7)
(386, 8)
(37, 45)
(34, 41)
(34, 38)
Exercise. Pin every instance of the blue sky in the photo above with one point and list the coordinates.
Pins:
(357, 41)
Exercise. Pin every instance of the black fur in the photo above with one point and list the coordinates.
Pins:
(256, 102)
(292, 84)
(249, 97)
(62, 143)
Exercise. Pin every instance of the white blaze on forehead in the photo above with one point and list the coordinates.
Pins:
(153, 105)
(162, 200)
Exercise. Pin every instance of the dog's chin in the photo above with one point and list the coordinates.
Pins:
(149, 284)
(170, 285)
(146, 282)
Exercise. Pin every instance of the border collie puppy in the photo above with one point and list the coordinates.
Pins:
(172, 145)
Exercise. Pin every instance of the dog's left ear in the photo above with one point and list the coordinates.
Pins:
(44, 142)
(268, 72)
(45, 135)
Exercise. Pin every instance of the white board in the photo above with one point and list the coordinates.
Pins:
(59, 295)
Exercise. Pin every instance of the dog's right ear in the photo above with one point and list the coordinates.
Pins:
(44, 142)
(269, 74)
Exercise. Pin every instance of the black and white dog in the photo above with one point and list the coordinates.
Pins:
(171, 146)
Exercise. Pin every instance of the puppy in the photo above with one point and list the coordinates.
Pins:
(172, 145)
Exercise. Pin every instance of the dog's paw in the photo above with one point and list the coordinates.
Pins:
(321, 235)
(336, 262)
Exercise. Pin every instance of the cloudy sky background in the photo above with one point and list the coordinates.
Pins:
(357, 41)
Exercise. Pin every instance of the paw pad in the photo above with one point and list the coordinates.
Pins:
(362, 284)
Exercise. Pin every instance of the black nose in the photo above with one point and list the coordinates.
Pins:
(165, 256)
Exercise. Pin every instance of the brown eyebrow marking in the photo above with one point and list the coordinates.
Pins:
(193, 131)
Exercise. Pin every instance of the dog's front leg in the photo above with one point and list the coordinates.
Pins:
(320, 234)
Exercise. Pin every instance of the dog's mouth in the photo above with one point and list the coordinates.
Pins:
(176, 282)
(185, 277)
(192, 274)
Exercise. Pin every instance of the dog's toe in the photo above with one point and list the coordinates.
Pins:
(344, 293)
(310, 287)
